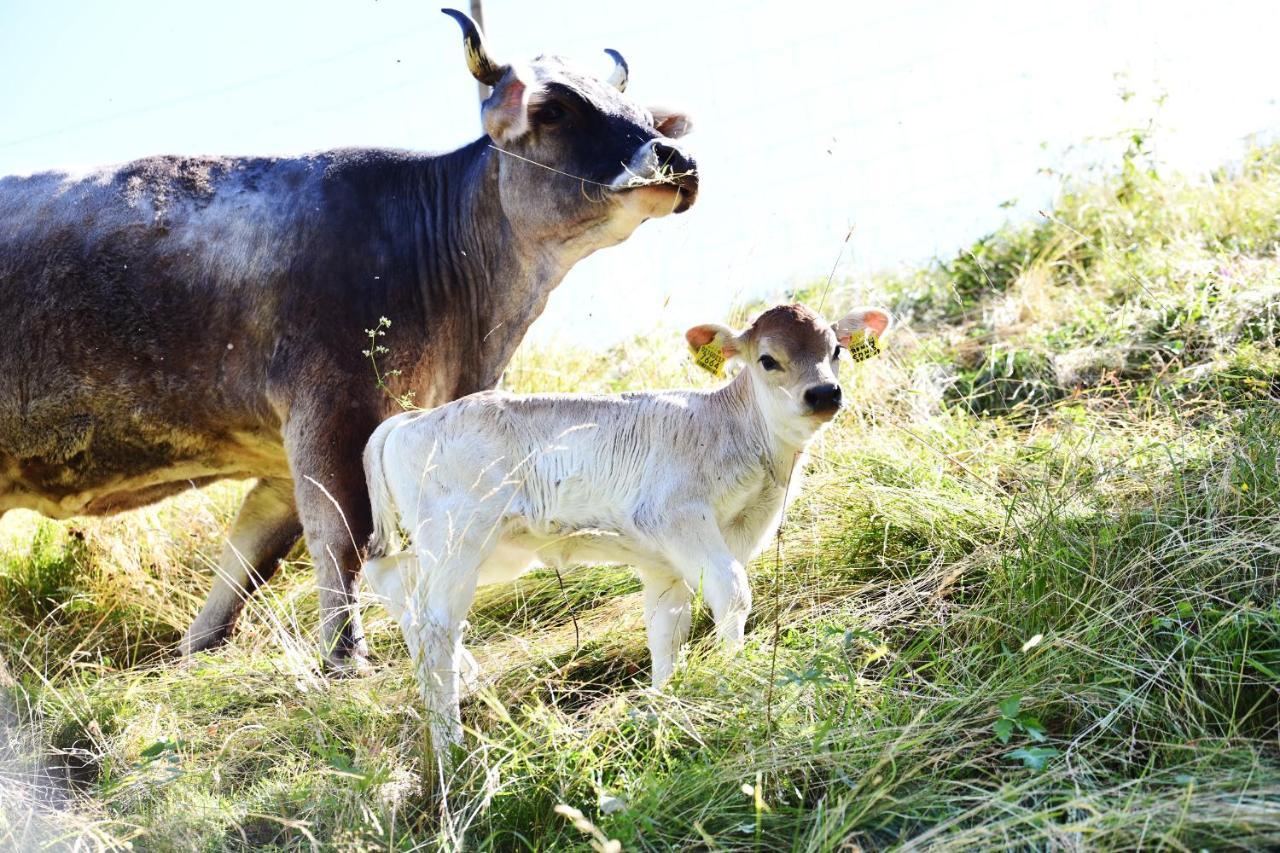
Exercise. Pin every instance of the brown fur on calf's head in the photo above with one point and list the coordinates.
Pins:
(793, 328)
(791, 355)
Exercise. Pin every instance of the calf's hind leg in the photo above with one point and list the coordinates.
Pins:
(391, 578)
(437, 600)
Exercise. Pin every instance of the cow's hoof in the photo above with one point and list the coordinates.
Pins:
(348, 666)
(198, 640)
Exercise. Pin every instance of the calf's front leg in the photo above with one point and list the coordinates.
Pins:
(668, 608)
(728, 593)
(698, 552)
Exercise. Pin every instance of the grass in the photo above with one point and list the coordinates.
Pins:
(1028, 600)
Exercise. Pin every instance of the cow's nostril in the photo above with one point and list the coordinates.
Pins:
(823, 398)
(676, 168)
(674, 163)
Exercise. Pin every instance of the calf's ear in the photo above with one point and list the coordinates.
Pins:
(672, 124)
(505, 114)
(876, 320)
(729, 341)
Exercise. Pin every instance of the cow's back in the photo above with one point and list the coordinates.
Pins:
(141, 313)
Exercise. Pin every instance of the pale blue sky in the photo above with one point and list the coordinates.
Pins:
(911, 121)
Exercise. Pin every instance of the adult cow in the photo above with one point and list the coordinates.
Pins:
(179, 320)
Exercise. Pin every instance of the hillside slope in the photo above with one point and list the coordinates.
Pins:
(1028, 599)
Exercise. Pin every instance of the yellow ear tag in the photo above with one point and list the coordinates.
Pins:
(863, 344)
(710, 358)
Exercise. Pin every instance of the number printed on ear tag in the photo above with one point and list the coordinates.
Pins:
(863, 344)
(711, 359)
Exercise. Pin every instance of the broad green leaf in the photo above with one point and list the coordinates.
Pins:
(1033, 727)
(156, 748)
(1004, 729)
(1034, 757)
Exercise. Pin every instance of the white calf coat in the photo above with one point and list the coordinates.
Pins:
(686, 486)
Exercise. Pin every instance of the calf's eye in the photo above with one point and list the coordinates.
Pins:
(835, 356)
(768, 362)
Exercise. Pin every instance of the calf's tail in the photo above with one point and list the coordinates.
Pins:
(386, 517)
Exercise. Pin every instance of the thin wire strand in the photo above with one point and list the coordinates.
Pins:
(549, 168)
(777, 608)
(822, 303)
(573, 613)
(170, 103)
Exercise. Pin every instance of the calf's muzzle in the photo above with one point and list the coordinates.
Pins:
(823, 399)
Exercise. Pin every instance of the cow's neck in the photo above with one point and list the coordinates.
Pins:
(478, 271)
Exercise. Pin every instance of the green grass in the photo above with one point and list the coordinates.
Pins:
(1029, 599)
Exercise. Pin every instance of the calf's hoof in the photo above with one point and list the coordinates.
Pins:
(732, 638)
(468, 672)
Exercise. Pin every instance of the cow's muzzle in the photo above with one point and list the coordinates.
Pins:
(660, 163)
(679, 168)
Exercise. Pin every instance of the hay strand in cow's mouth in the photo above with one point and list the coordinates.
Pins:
(664, 176)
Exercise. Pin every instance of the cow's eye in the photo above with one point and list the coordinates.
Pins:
(551, 112)
(835, 356)
(768, 362)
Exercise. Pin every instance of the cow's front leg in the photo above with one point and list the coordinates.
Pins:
(265, 530)
(333, 505)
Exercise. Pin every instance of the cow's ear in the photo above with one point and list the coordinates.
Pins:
(877, 320)
(729, 341)
(672, 124)
(505, 114)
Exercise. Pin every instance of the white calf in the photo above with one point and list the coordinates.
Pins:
(686, 486)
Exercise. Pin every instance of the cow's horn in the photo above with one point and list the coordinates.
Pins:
(483, 68)
(618, 79)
